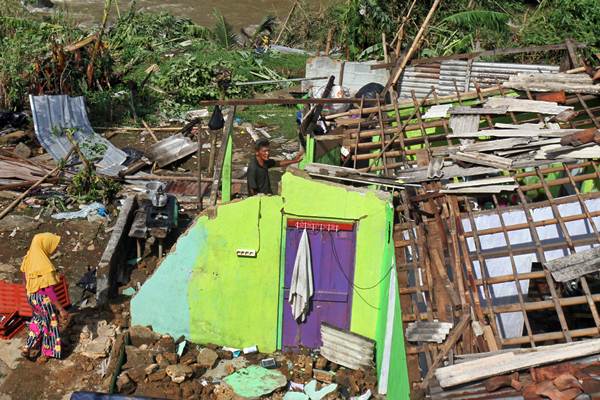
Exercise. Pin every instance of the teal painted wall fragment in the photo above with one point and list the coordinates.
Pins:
(162, 301)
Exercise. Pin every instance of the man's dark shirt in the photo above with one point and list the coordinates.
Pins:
(258, 176)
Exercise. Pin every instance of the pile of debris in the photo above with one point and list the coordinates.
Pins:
(145, 363)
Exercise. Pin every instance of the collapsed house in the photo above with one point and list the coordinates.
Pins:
(493, 213)
(227, 281)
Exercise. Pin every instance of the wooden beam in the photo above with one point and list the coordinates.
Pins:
(507, 362)
(221, 157)
(260, 102)
(484, 53)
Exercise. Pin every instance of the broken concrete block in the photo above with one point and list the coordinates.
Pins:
(140, 335)
(137, 374)
(179, 373)
(150, 369)
(157, 376)
(162, 361)
(170, 357)
(207, 358)
(21, 222)
(224, 368)
(165, 344)
(323, 376)
(255, 381)
(97, 348)
(137, 357)
(190, 389)
(124, 384)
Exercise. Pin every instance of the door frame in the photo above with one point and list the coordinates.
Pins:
(282, 254)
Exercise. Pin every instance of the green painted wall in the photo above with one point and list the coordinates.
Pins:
(234, 299)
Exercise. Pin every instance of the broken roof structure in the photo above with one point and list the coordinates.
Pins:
(492, 197)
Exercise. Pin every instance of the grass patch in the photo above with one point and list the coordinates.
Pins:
(283, 117)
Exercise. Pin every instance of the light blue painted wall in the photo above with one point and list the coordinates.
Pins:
(167, 288)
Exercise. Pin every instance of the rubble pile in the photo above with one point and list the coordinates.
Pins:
(159, 366)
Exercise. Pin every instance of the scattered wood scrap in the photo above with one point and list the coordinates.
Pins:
(523, 105)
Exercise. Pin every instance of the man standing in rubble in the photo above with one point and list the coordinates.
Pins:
(258, 168)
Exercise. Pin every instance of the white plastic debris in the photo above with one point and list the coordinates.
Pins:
(85, 211)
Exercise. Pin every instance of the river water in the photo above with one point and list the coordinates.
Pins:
(238, 13)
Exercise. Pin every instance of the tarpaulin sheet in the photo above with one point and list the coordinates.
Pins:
(511, 324)
(53, 115)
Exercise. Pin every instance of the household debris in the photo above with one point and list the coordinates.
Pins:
(455, 254)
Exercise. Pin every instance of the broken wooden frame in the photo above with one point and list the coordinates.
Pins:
(445, 266)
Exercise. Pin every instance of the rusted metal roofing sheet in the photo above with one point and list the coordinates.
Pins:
(52, 115)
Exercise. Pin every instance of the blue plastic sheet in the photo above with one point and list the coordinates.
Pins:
(104, 396)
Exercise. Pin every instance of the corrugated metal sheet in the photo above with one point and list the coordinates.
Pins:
(346, 348)
(171, 149)
(425, 331)
(449, 75)
(52, 115)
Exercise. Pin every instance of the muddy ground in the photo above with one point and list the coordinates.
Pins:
(81, 247)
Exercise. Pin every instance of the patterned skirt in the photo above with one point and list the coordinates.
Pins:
(43, 327)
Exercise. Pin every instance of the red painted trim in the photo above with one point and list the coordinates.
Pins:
(320, 225)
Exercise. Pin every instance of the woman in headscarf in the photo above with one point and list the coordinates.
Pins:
(40, 276)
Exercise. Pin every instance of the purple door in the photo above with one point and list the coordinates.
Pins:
(332, 256)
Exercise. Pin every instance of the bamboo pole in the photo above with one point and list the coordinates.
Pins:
(287, 19)
(416, 42)
(150, 131)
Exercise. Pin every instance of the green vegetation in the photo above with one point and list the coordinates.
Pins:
(458, 26)
(151, 66)
(158, 66)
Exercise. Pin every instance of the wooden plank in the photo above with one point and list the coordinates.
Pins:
(493, 145)
(514, 133)
(508, 362)
(523, 105)
(484, 53)
(575, 265)
(465, 110)
(495, 341)
(552, 87)
(481, 189)
(221, 158)
(452, 339)
(489, 160)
